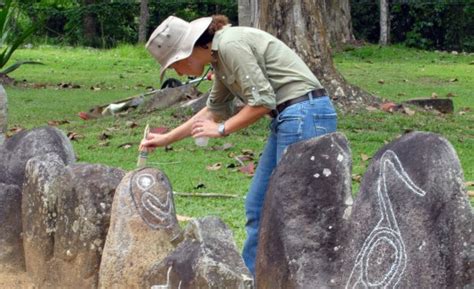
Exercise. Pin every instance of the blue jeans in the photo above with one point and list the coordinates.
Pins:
(297, 122)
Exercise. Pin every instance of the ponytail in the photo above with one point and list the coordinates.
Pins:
(218, 22)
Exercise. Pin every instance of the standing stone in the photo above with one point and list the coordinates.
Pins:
(207, 259)
(306, 206)
(14, 154)
(39, 199)
(3, 114)
(412, 224)
(142, 231)
(85, 193)
(25, 145)
(11, 249)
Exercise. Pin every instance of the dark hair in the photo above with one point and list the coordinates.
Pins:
(218, 22)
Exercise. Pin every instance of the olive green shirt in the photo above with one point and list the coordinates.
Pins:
(256, 67)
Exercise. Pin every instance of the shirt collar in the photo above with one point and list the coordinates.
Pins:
(217, 38)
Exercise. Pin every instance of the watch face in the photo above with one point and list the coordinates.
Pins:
(221, 129)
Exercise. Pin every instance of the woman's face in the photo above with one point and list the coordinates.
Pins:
(194, 64)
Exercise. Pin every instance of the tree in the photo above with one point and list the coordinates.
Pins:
(301, 24)
(143, 24)
(384, 23)
(90, 24)
(338, 13)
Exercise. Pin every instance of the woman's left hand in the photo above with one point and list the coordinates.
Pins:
(204, 128)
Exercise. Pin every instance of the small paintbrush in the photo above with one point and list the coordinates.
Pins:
(143, 155)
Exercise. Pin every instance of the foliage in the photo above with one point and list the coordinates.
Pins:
(104, 76)
(11, 39)
(423, 24)
(115, 21)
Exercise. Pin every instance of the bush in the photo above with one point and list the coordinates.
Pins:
(441, 25)
(115, 21)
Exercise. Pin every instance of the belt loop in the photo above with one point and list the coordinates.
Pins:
(310, 96)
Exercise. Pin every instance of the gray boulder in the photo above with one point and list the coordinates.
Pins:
(207, 259)
(14, 154)
(39, 210)
(18, 149)
(66, 213)
(11, 249)
(142, 231)
(85, 198)
(307, 204)
(412, 224)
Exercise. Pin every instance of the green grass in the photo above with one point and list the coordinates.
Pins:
(126, 71)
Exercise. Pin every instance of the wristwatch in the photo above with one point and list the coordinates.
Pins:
(221, 129)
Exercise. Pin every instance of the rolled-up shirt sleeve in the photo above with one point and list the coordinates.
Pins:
(240, 60)
(220, 100)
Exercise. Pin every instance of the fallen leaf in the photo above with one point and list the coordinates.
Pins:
(104, 143)
(408, 111)
(248, 170)
(105, 135)
(95, 88)
(182, 218)
(243, 158)
(131, 124)
(434, 95)
(248, 152)
(453, 80)
(364, 157)
(470, 193)
(450, 94)
(388, 106)
(126, 145)
(223, 147)
(356, 178)
(371, 108)
(214, 167)
(469, 184)
(57, 122)
(381, 81)
(200, 186)
(74, 136)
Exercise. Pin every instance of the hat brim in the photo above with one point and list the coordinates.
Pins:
(186, 44)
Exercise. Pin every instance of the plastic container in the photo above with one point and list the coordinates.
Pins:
(201, 141)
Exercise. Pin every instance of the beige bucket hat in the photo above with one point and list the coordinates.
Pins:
(174, 40)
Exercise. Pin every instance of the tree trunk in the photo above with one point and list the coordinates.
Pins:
(90, 25)
(337, 15)
(384, 23)
(302, 26)
(143, 25)
(247, 12)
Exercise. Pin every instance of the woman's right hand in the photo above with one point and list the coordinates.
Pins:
(152, 141)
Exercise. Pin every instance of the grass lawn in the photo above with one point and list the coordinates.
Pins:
(104, 76)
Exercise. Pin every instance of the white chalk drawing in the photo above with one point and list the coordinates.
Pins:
(154, 212)
(167, 285)
(386, 235)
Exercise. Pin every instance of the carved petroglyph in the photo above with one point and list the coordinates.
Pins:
(167, 285)
(154, 212)
(384, 246)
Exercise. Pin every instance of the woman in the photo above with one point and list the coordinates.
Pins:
(260, 70)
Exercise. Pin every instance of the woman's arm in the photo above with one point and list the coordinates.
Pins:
(154, 140)
(245, 117)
